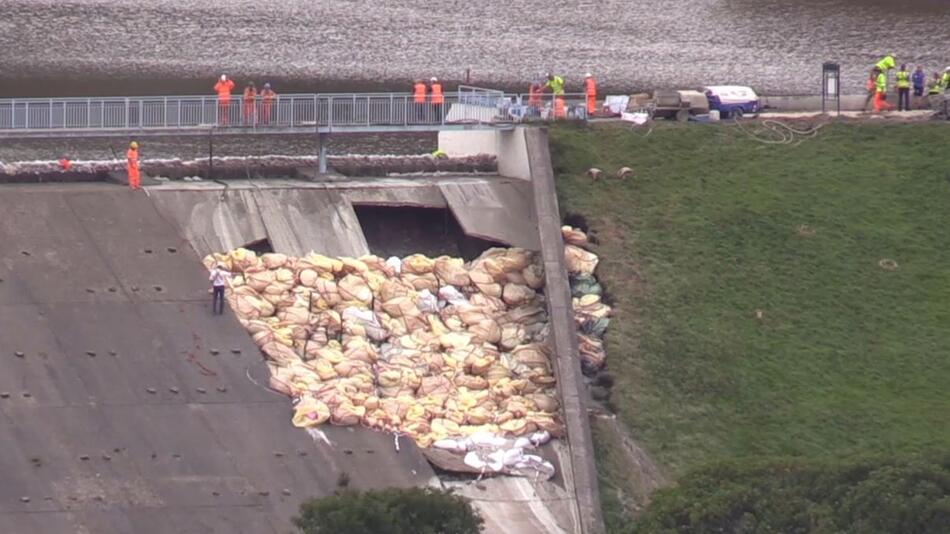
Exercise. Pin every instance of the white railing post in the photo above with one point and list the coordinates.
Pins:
(27, 122)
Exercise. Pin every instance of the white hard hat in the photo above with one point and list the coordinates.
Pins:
(947, 69)
(224, 77)
(434, 79)
(588, 75)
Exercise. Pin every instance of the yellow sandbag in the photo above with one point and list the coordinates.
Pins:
(486, 331)
(545, 422)
(259, 280)
(516, 427)
(325, 370)
(492, 290)
(512, 335)
(514, 259)
(420, 282)
(452, 271)
(417, 264)
(354, 288)
(320, 263)
(533, 355)
(310, 412)
(574, 236)
(297, 316)
(377, 264)
(282, 354)
(358, 348)
(485, 302)
(400, 307)
(478, 275)
(516, 294)
(353, 266)
(455, 340)
(347, 415)
(325, 294)
(580, 261)
(273, 260)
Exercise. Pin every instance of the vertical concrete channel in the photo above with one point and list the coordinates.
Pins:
(564, 335)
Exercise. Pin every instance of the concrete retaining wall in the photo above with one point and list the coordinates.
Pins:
(567, 367)
(507, 145)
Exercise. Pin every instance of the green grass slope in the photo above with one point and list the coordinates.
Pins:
(754, 317)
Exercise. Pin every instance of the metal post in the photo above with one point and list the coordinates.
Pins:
(211, 153)
(165, 112)
(27, 116)
(88, 113)
(324, 138)
(126, 113)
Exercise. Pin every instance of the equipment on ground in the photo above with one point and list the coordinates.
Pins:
(732, 101)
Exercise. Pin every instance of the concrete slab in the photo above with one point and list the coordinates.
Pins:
(502, 211)
(136, 411)
(300, 221)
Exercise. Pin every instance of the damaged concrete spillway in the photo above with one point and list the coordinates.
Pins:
(128, 407)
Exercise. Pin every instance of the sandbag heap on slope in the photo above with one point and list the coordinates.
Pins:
(591, 315)
(432, 348)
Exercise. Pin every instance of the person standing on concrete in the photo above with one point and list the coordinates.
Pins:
(419, 100)
(250, 100)
(919, 79)
(903, 89)
(220, 279)
(132, 166)
(224, 88)
(437, 97)
(556, 85)
(871, 87)
(267, 102)
(590, 90)
(880, 95)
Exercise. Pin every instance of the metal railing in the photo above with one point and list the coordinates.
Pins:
(469, 106)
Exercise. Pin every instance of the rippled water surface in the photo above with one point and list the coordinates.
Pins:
(84, 47)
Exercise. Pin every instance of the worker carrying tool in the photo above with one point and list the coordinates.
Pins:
(590, 89)
(556, 85)
(886, 63)
(880, 95)
(436, 97)
(224, 88)
(132, 165)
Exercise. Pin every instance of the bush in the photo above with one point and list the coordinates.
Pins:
(389, 511)
(910, 495)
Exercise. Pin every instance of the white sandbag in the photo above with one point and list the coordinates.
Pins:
(452, 296)
(395, 264)
(427, 302)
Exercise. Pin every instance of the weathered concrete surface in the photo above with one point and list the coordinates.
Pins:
(499, 211)
(322, 220)
(124, 405)
(508, 146)
(563, 330)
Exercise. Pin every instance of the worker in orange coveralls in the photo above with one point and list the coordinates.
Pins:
(132, 165)
(419, 99)
(590, 89)
(250, 99)
(267, 102)
(535, 92)
(223, 88)
(64, 163)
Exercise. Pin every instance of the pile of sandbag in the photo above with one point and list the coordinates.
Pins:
(432, 348)
(590, 313)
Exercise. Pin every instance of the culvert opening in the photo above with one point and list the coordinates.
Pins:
(261, 246)
(401, 231)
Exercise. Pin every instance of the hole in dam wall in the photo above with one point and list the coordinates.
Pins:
(401, 231)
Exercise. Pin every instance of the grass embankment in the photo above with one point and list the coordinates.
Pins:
(754, 317)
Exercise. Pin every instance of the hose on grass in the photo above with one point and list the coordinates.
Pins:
(773, 132)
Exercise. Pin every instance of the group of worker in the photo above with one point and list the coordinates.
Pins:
(428, 100)
(253, 100)
(904, 82)
(555, 84)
